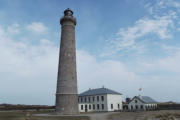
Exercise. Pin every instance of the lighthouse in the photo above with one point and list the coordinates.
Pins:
(66, 92)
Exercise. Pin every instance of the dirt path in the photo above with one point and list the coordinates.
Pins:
(127, 116)
(143, 115)
(100, 116)
(117, 116)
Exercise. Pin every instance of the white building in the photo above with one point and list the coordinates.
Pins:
(141, 103)
(101, 99)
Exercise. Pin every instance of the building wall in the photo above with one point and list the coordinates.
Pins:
(114, 102)
(84, 101)
(88, 108)
(136, 102)
(152, 106)
(104, 104)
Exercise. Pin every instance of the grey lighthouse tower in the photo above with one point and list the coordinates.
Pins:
(66, 93)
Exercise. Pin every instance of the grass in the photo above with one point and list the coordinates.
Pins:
(168, 116)
(147, 115)
(27, 115)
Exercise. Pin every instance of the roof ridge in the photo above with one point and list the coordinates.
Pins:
(97, 91)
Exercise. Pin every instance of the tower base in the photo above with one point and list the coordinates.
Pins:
(67, 104)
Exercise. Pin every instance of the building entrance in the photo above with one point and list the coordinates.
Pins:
(86, 110)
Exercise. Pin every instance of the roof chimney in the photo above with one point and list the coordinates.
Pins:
(128, 100)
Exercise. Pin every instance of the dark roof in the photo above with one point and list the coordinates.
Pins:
(98, 91)
(145, 99)
(167, 103)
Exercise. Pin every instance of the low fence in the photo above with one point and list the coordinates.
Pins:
(168, 106)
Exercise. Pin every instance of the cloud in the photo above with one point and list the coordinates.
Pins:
(159, 23)
(37, 27)
(117, 75)
(27, 70)
(164, 7)
(126, 38)
(13, 29)
(168, 3)
(156, 71)
(109, 73)
(168, 64)
(170, 49)
(30, 71)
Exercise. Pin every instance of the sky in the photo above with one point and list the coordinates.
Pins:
(122, 45)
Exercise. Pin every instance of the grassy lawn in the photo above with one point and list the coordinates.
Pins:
(147, 115)
(168, 115)
(27, 115)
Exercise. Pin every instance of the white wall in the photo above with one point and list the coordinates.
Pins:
(108, 100)
(115, 100)
(139, 103)
(151, 106)
(83, 110)
(95, 102)
(133, 103)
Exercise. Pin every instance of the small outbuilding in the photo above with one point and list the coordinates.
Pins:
(142, 103)
(169, 106)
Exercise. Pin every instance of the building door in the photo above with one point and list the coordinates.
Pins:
(86, 108)
(131, 107)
